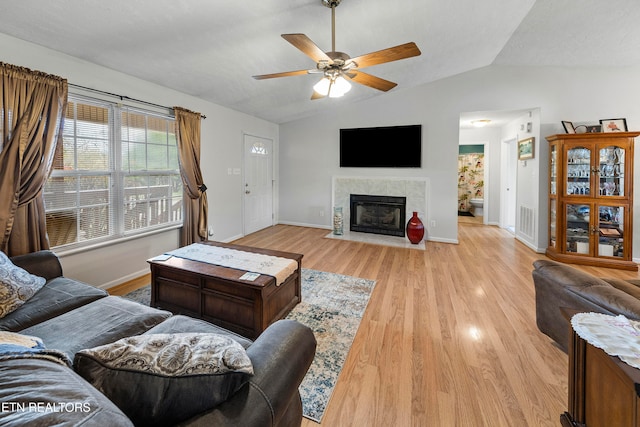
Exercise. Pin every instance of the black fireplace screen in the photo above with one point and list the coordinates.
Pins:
(378, 214)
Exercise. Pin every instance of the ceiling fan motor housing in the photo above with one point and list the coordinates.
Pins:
(331, 3)
(339, 59)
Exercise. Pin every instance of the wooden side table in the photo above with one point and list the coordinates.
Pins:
(603, 390)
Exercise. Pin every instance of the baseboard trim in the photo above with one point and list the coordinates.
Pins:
(231, 239)
(530, 245)
(440, 240)
(302, 224)
(326, 227)
(130, 285)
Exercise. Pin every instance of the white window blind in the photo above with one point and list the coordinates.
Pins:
(115, 174)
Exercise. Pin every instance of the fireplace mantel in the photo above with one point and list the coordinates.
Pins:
(414, 189)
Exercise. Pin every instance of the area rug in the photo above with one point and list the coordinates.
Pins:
(332, 306)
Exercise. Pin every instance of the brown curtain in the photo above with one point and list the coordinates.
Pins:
(31, 108)
(194, 228)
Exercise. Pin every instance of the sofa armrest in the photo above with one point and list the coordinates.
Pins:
(43, 263)
(558, 285)
(28, 380)
(281, 356)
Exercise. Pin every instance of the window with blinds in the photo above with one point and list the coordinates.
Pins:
(115, 174)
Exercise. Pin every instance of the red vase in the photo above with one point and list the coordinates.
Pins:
(415, 229)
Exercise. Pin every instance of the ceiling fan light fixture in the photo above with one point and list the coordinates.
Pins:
(322, 87)
(339, 87)
(334, 87)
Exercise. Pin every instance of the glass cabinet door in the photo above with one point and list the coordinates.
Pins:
(611, 231)
(553, 170)
(578, 171)
(553, 203)
(611, 171)
(578, 230)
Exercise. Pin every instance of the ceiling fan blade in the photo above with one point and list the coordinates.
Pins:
(285, 74)
(307, 46)
(316, 95)
(395, 53)
(371, 81)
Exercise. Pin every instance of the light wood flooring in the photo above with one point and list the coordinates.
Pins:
(449, 336)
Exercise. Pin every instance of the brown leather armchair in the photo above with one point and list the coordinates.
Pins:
(558, 285)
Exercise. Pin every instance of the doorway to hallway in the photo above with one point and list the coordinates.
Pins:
(498, 132)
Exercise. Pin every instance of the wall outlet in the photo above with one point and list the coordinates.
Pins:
(321, 213)
(433, 223)
(210, 231)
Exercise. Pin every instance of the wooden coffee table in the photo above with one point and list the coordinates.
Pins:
(218, 295)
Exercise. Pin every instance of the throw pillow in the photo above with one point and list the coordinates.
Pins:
(16, 285)
(162, 379)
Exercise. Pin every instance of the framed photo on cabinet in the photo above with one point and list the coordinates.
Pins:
(568, 127)
(614, 125)
(525, 148)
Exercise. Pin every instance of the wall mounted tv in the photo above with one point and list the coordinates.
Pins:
(381, 147)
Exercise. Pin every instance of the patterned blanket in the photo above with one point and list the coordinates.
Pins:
(18, 346)
(278, 267)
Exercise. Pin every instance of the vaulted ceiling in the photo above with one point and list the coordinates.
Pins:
(210, 48)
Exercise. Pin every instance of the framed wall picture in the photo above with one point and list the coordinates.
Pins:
(568, 127)
(613, 125)
(525, 148)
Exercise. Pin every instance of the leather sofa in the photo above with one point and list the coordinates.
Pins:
(561, 286)
(69, 316)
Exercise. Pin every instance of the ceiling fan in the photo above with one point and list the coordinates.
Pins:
(338, 67)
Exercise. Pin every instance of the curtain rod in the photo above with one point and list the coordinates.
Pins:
(123, 97)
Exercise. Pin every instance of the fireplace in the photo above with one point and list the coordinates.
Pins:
(378, 214)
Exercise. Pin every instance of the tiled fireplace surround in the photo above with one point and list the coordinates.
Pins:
(414, 189)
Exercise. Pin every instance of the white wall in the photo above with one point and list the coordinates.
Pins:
(221, 149)
(528, 186)
(309, 147)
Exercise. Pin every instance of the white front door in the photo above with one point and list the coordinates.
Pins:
(258, 183)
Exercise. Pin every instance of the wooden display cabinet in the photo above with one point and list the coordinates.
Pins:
(590, 198)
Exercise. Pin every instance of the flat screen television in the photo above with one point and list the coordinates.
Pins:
(381, 147)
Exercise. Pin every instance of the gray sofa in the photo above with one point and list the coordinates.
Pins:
(69, 316)
(562, 286)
